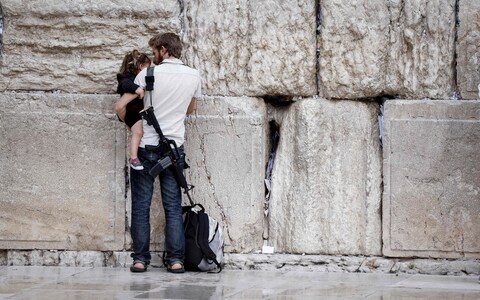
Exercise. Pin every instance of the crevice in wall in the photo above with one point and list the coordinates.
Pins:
(381, 102)
(318, 32)
(278, 100)
(1, 31)
(456, 93)
(274, 134)
(181, 16)
(275, 103)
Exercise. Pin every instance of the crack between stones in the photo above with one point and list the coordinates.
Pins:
(318, 30)
(456, 94)
(181, 17)
(274, 134)
(1, 32)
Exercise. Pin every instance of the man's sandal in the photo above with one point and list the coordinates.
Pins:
(136, 269)
(171, 269)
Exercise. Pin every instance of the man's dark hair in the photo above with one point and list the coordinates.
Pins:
(170, 41)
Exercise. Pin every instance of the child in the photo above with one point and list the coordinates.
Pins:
(131, 103)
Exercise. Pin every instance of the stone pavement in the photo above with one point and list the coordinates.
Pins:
(31, 282)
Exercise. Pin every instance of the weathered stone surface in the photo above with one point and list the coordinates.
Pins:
(253, 48)
(76, 46)
(233, 261)
(225, 147)
(431, 202)
(64, 184)
(33, 258)
(325, 263)
(326, 180)
(422, 37)
(82, 259)
(353, 48)
(403, 48)
(468, 49)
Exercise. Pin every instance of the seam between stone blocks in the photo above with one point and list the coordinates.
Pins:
(181, 17)
(455, 52)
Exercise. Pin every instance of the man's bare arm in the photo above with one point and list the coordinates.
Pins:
(191, 106)
(121, 105)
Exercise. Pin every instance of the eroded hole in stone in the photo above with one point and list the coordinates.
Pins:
(278, 100)
(274, 129)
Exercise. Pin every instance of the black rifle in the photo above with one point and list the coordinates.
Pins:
(167, 150)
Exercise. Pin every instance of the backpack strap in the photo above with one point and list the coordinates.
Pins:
(202, 239)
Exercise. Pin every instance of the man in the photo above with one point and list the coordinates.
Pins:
(173, 97)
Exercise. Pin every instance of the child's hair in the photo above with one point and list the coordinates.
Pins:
(132, 61)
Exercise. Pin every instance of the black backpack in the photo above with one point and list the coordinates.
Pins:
(203, 240)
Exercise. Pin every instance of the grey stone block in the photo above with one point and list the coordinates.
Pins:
(326, 180)
(62, 184)
(82, 259)
(253, 48)
(77, 46)
(373, 48)
(226, 149)
(352, 44)
(431, 202)
(468, 49)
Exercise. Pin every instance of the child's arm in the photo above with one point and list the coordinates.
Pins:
(121, 105)
(128, 86)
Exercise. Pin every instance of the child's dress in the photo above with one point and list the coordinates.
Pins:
(126, 85)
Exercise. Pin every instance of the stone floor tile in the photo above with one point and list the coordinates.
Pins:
(119, 283)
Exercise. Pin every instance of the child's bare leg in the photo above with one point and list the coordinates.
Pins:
(137, 133)
(121, 104)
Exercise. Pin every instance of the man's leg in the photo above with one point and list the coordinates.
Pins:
(172, 204)
(142, 191)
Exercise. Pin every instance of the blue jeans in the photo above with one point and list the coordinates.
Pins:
(142, 192)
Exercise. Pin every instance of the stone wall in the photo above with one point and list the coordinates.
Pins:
(319, 70)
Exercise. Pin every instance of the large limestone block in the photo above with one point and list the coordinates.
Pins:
(431, 202)
(225, 147)
(326, 179)
(373, 48)
(253, 47)
(76, 46)
(468, 49)
(352, 43)
(422, 50)
(62, 182)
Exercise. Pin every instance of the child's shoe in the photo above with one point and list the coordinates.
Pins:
(136, 164)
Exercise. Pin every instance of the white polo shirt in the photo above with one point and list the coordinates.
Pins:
(175, 86)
